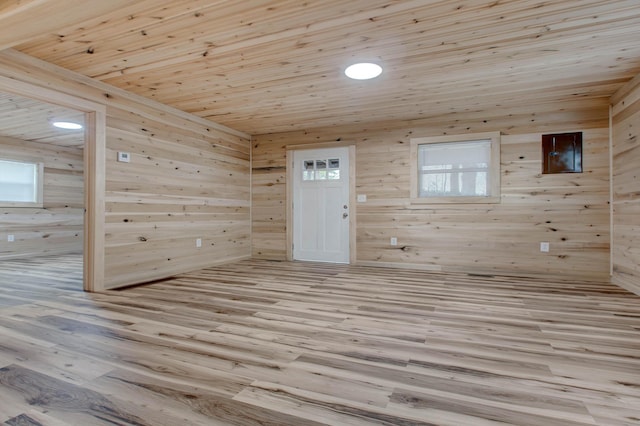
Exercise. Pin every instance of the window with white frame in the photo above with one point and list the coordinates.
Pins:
(456, 169)
(21, 183)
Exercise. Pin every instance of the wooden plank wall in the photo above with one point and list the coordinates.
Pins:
(188, 178)
(626, 186)
(57, 228)
(180, 185)
(570, 211)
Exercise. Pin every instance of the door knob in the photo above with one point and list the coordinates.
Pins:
(345, 215)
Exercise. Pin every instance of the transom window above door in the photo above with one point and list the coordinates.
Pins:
(325, 169)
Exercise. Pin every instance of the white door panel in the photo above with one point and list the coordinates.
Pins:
(321, 205)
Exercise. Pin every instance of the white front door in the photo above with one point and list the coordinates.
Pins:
(321, 205)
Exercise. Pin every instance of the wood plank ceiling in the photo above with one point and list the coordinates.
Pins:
(265, 66)
(31, 120)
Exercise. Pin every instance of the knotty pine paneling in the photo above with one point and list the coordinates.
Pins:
(171, 169)
(268, 66)
(188, 178)
(57, 228)
(570, 211)
(626, 187)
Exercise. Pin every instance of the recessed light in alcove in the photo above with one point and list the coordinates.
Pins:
(67, 125)
(363, 71)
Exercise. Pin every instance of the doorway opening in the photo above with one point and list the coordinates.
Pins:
(42, 187)
(68, 219)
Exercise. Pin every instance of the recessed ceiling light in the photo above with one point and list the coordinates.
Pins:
(363, 71)
(67, 125)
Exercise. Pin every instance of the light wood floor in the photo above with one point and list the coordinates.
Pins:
(277, 343)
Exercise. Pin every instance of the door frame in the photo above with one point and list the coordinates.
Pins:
(94, 172)
(352, 192)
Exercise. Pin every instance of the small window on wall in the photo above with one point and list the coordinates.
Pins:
(20, 184)
(456, 169)
(321, 169)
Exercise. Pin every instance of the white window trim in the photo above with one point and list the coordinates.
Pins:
(39, 203)
(494, 169)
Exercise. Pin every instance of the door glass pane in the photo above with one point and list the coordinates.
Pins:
(307, 170)
(334, 169)
(321, 169)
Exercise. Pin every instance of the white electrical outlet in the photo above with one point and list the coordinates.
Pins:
(11, 238)
(544, 247)
(198, 242)
(393, 241)
(362, 198)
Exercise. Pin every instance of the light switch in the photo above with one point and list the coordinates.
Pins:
(124, 157)
(362, 198)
